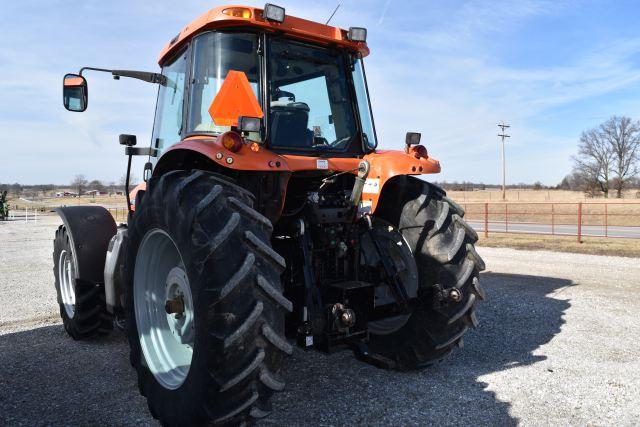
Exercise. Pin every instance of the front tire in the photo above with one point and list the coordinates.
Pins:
(442, 244)
(233, 315)
(82, 303)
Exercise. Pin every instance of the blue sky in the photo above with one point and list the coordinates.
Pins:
(451, 70)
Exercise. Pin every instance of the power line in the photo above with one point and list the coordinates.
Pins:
(503, 135)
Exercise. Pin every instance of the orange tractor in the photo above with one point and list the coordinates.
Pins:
(267, 220)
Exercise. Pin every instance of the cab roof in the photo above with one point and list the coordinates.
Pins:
(295, 27)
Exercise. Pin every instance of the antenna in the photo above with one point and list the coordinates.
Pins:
(334, 12)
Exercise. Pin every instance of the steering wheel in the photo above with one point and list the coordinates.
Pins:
(320, 141)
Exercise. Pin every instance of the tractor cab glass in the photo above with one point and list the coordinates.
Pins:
(214, 55)
(74, 92)
(364, 106)
(167, 126)
(309, 99)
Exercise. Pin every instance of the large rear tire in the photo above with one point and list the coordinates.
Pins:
(443, 247)
(195, 234)
(82, 303)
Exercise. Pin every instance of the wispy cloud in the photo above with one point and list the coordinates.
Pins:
(384, 11)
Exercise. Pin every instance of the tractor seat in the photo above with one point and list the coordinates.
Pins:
(289, 124)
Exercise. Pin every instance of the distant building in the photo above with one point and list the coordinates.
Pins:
(66, 194)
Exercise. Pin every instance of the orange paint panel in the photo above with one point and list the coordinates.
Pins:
(234, 99)
(292, 26)
(263, 159)
(338, 164)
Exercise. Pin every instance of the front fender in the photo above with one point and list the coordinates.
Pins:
(89, 228)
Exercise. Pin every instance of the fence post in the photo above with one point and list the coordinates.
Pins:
(580, 222)
(606, 221)
(486, 220)
(553, 220)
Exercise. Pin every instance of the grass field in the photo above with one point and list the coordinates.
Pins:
(495, 195)
(589, 245)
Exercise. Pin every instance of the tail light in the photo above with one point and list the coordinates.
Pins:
(232, 141)
(420, 151)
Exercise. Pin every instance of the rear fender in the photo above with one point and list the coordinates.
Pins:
(399, 190)
(89, 228)
(385, 169)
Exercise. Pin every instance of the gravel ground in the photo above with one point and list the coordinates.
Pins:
(557, 344)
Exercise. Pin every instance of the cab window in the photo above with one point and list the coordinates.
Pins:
(310, 102)
(214, 55)
(167, 126)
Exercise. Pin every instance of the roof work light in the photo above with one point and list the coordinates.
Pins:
(357, 34)
(274, 13)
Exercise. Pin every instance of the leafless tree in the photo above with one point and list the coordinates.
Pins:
(623, 135)
(79, 183)
(96, 184)
(595, 159)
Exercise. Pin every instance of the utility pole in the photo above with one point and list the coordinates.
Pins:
(503, 135)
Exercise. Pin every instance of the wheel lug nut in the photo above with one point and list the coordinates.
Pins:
(455, 295)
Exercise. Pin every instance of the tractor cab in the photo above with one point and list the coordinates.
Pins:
(306, 97)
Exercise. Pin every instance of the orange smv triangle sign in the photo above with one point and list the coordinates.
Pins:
(234, 99)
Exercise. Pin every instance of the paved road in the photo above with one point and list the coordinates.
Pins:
(557, 345)
(570, 230)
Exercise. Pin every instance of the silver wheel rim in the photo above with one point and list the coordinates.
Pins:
(166, 339)
(65, 276)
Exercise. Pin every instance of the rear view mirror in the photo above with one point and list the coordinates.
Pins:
(74, 92)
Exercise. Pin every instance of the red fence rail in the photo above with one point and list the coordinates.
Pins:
(597, 219)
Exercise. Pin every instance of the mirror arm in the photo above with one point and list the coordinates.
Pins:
(140, 75)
